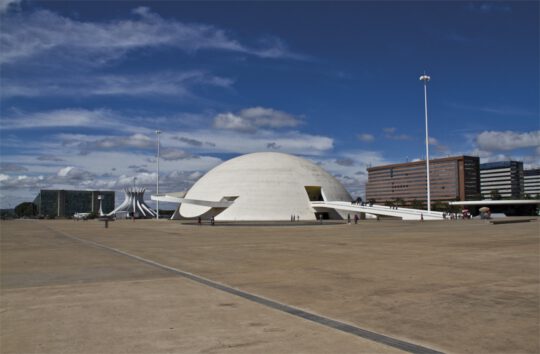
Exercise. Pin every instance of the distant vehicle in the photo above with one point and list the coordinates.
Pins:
(81, 216)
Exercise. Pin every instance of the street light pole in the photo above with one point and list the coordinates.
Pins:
(158, 132)
(133, 193)
(426, 78)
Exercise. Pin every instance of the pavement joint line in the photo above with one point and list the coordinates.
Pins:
(297, 312)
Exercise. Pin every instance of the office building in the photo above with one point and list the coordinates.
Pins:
(65, 203)
(531, 183)
(502, 178)
(451, 178)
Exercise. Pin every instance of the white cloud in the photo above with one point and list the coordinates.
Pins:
(44, 32)
(12, 167)
(71, 173)
(177, 84)
(366, 138)
(71, 117)
(488, 7)
(5, 5)
(171, 154)
(49, 158)
(507, 140)
(139, 141)
(250, 119)
(438, 146)
(390, 133)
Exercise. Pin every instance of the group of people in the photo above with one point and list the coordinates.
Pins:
(360, 202)
(295, 217)
(356, 218)
(456, 216)
(212, 220)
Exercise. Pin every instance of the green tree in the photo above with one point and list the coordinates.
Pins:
(440, 206)
(417, 204)
(25, 209)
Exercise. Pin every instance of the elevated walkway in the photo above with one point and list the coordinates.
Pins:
(224, 203)
(380, 210)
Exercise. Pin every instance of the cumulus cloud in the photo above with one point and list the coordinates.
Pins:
(44, 32)
(68, 175)
(366, 138)
(390, 133)
(171, 154)
(507, 140)
(345, 162)
(250, 119)
(192, 142)
(139, 168)
(272, 145)
(71, 173)
(438, 146)
(138, 141)
(22, 181)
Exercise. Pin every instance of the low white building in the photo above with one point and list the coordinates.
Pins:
(258, 187)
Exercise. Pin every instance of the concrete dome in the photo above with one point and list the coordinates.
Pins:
(264, 186)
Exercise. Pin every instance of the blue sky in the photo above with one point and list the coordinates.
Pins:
(84, 87)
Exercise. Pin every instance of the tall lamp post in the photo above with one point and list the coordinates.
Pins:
(426, 78)
(158, 132)
(134, 207)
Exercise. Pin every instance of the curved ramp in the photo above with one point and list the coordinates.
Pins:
(403, 213)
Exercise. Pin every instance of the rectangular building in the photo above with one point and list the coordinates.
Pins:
(65, 203)
(531, 183)
(503, 177)
(451, 178)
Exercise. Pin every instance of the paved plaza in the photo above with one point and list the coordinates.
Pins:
(451, 286)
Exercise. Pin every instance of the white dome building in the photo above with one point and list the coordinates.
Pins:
(262, 186)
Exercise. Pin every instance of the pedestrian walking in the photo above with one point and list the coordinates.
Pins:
(356, 218)
(348, 218)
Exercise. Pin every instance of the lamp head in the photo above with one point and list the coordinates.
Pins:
(424, 78)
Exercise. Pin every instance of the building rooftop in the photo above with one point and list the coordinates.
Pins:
(420, 162)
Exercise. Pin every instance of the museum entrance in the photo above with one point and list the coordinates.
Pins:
(314, 193)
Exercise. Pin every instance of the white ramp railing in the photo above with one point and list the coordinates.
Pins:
(403, 213)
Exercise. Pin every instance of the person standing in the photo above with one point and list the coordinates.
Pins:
(348, 218)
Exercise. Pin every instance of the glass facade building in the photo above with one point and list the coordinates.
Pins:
(65, 203)
(505, 177)
(531, 182)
